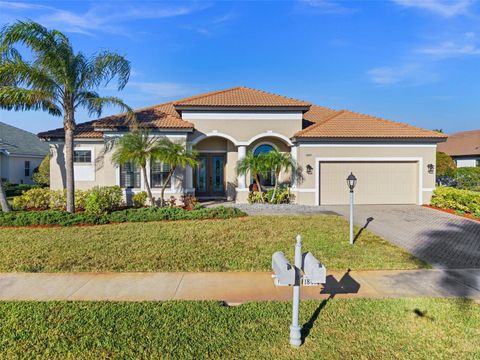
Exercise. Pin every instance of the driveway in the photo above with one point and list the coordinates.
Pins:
(443, 240)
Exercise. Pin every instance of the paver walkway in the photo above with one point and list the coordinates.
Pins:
(235, 287)
(443, 240)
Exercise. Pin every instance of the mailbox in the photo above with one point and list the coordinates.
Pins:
(315, 272)
(284, 272)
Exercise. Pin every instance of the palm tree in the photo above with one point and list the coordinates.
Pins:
(277, 162)
(174, 154)
(57, 80)
(3, 198)
(256, 165)
(137, 147)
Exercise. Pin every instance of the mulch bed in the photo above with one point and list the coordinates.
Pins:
(450, 211)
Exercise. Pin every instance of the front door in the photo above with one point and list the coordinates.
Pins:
(210, 175)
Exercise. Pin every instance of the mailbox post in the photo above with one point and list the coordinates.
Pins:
(314, 273)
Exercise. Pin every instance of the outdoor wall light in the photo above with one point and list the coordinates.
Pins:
(351, 181)
(309, 169)
(430, 168)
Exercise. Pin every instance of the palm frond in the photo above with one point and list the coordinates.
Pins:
(95, 104)
(28, 99)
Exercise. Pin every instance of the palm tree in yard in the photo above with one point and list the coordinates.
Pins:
(174, 155)
(277, 162)
(57, 80)
(137, 147)
(256, 165)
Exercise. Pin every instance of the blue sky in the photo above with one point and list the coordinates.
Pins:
(407, 60)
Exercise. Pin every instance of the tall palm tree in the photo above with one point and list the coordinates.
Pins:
(277, 162)
(256, 165)
(57, 80)
(137, 147)
(3, 198)
(174, 154)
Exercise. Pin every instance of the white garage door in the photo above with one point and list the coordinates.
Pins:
(377, 182)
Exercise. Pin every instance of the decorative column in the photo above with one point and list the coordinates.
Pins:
(242, 151)
(189, 173)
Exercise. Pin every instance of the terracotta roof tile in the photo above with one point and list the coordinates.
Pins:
(349, 124)
(462, 143)
(163, 116)
(318, 113)
(240, 97)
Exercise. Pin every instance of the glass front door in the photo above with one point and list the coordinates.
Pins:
(210, 175)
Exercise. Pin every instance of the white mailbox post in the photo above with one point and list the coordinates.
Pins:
(314, 273)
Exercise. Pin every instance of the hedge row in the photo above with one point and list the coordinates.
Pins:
(52, 217)
(464, 201)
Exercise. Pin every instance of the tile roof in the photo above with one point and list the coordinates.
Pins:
(240, 97)
(318, 113)
(462, 143)
(20, 142)
(162, 116)
(349, 124)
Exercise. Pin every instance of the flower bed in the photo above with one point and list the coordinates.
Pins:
(61, 218)
(459, 201)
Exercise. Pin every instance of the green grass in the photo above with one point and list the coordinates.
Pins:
(242, 244)
(343, 329)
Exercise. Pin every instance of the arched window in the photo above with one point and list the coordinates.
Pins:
(269, 179)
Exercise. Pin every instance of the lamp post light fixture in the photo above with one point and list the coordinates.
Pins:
(351, 182)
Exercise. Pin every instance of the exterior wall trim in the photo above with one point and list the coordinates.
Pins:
(215, 133)
(367, 145)
(269, 134)
(318, 160)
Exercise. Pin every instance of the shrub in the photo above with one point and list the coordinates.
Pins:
(190, 202)
(445, 164)
(139, 199)
(468, 178)
(459, 200)
(41, 175)
(102, 200)
(17, 189)
(282, 196)
(53, 217)
(36, 198)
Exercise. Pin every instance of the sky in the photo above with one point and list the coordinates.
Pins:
(411, 61)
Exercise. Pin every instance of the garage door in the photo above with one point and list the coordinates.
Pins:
(378, 182)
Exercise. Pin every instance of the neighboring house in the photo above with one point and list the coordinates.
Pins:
(21, 152)
(394, 162)
(463, 147)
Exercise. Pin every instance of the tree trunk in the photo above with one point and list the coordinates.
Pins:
(147, 185)
(275, 187)
(69, 126)
(259, 186)
(170, 174)
(3, 198)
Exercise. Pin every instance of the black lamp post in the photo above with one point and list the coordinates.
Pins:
(351, 182)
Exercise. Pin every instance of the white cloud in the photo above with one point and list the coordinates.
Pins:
(408, 74)
(103, 17)
(447, 8)
(328, 6)
(450, 49)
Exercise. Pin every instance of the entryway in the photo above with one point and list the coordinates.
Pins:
(210, 175)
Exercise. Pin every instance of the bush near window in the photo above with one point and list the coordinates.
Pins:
(139, 199)
(97, 200)
(463, 201)
(282, 196)
(17, 189)
(41, 175)
(52, 217)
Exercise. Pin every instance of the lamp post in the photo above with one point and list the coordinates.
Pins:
(351, 182)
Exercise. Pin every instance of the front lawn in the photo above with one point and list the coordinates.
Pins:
(339, 329)
(240, 244)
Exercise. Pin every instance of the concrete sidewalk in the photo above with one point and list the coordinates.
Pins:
(235, 287)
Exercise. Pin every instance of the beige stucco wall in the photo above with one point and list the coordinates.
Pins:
(308, 156)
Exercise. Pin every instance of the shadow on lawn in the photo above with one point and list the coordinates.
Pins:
(369, 220)
(346, 285)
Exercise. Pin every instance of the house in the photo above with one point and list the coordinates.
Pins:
(21, 153)
(394, 162)
(463, 147)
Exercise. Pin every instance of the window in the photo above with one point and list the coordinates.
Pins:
(269, 179)
(158, 174)
(82, 156)
(27, 168)
(129, 176)
(477, 162)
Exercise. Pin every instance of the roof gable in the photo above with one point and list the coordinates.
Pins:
(240, 97)
(21, 142)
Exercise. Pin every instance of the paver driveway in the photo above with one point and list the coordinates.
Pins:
(441, 239)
